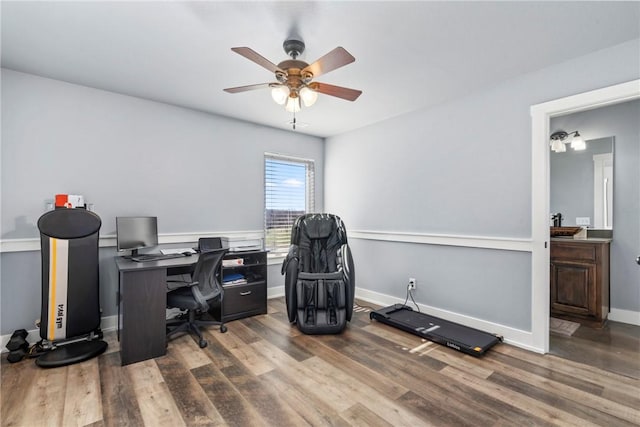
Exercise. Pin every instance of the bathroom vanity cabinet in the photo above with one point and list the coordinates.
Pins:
(580, 280)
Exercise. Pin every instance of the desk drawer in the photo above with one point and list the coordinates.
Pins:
(246, 299)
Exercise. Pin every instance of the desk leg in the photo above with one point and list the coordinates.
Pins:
(144, 300)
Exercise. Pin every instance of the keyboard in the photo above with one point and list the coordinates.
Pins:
(154, 257)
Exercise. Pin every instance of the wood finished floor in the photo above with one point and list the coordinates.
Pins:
(263, 372)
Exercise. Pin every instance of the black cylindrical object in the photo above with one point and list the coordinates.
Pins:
(18, 340)
(17, 355)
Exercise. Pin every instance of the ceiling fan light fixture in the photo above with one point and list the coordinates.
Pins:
(280, 94)
(309, 96)
(293, 104)
(295, 86)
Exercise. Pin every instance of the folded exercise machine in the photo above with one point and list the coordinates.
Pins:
(320, 280)
(459, 337)
(70, 315)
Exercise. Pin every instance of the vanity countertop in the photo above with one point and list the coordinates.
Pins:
(589, 240)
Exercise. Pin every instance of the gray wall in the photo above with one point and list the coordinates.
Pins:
(621, 121)
(571, 176)
(196, 172)
(462, 168)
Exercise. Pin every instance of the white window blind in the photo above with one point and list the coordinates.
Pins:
(289, 191)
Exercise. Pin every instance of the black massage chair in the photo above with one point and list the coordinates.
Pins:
(319, 275)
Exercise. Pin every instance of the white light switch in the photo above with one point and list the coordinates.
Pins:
(583, 220)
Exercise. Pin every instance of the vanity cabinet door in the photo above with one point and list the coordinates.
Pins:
(580, 281)
(572, 288)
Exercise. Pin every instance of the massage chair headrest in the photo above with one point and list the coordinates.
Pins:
(318, 226)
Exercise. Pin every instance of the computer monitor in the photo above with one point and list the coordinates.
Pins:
(136, 232)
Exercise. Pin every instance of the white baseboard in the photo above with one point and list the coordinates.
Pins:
(516, 337)
(107, 324)
(275, 292)
(625, 316)
(513, 336)
(110, 323)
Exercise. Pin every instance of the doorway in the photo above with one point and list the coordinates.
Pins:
(540, 116)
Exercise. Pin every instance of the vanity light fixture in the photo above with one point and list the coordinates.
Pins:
(560, 138)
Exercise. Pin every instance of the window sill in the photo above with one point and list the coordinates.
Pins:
(275, 259)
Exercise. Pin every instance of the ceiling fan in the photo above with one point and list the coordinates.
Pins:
(295, 77)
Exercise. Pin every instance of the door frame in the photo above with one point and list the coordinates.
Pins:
(540, 118)
(602, 194)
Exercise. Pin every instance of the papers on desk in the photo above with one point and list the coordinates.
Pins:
(234, 279)
(233, 262)
(175, 251)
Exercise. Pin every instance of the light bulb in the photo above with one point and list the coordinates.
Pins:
(309, 96)
(558, 146)
(280, 94)
(293, 104)
(578, 143)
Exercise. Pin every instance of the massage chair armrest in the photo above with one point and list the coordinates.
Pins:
(290, 268)
(350, 278)
(292, 254)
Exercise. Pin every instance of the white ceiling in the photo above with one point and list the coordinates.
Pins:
(409, 55)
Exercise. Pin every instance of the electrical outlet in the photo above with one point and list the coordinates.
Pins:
(412, 284)
(583, 220)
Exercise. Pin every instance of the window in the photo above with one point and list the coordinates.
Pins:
(289, 192)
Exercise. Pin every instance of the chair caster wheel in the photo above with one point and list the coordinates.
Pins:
(202, 343)
(223, 329)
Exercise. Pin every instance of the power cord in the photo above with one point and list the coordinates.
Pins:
(410, 295)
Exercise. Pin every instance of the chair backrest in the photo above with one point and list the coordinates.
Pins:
(209, 243)
(319, 237)
(208, 275)
(70, 303)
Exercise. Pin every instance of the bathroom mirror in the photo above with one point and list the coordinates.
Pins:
(582, 184)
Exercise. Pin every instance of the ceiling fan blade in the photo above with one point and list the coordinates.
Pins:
(337, 91)
(254, 56)
(337, 58)
(247, 88)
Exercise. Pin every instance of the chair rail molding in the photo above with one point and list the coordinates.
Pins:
(484, 242)
(33, 243)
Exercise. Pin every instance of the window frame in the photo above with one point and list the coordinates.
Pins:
(280, 250)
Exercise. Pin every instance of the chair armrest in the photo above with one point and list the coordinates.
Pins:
(176, 284)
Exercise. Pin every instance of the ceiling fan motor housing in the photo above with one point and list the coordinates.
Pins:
(293, 48)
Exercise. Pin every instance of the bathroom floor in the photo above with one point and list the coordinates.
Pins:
(615, 347)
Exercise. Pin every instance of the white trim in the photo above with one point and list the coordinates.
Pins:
(540, 116)
(275, 259)
(516, 337)
(107, 324)
(278, 156)
(275, 292)
(625, 316)
(602, 194)
(33, 244)
(519, 338)
(502, 243)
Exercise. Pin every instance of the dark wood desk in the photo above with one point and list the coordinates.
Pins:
(142, 301)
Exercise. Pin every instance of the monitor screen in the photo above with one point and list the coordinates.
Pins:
(136, 232)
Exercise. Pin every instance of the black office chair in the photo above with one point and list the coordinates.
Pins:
(196, 295)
